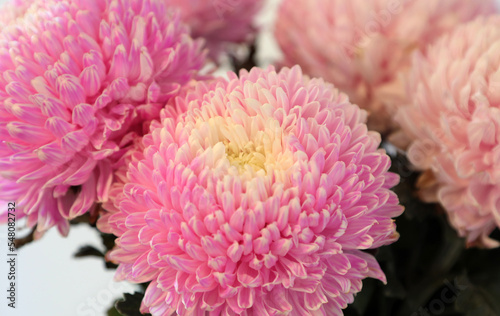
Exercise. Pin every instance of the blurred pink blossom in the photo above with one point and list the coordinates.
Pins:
(219, 22)
(454, 122)
(364, 47)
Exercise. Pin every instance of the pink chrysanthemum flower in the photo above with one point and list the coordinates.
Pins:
(363, 47)
(454, 121)
(78, 80)
(219, 22)
(256, 201)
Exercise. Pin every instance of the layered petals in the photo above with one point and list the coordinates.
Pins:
(454, 125)
(79, 80)
(257, 200)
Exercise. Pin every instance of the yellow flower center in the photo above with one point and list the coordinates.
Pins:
(251, 155)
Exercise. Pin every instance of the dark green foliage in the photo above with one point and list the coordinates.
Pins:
(130, 304)
(87, 251)
(429, 270)
(108, 242)
(113, 312)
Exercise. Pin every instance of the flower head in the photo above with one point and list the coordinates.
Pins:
(363, 47)
(454, 122)
(257, 200)
(219, 22)
(78, 81)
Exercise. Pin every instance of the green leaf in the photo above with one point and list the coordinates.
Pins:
(87, 251)
(113, 312)
(108, 240)
(130, 305)
(477, 300)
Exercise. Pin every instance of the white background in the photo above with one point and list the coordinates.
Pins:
(53, 283)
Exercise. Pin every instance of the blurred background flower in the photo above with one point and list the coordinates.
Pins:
(454, 122)
(364, 47)
(221, 23)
